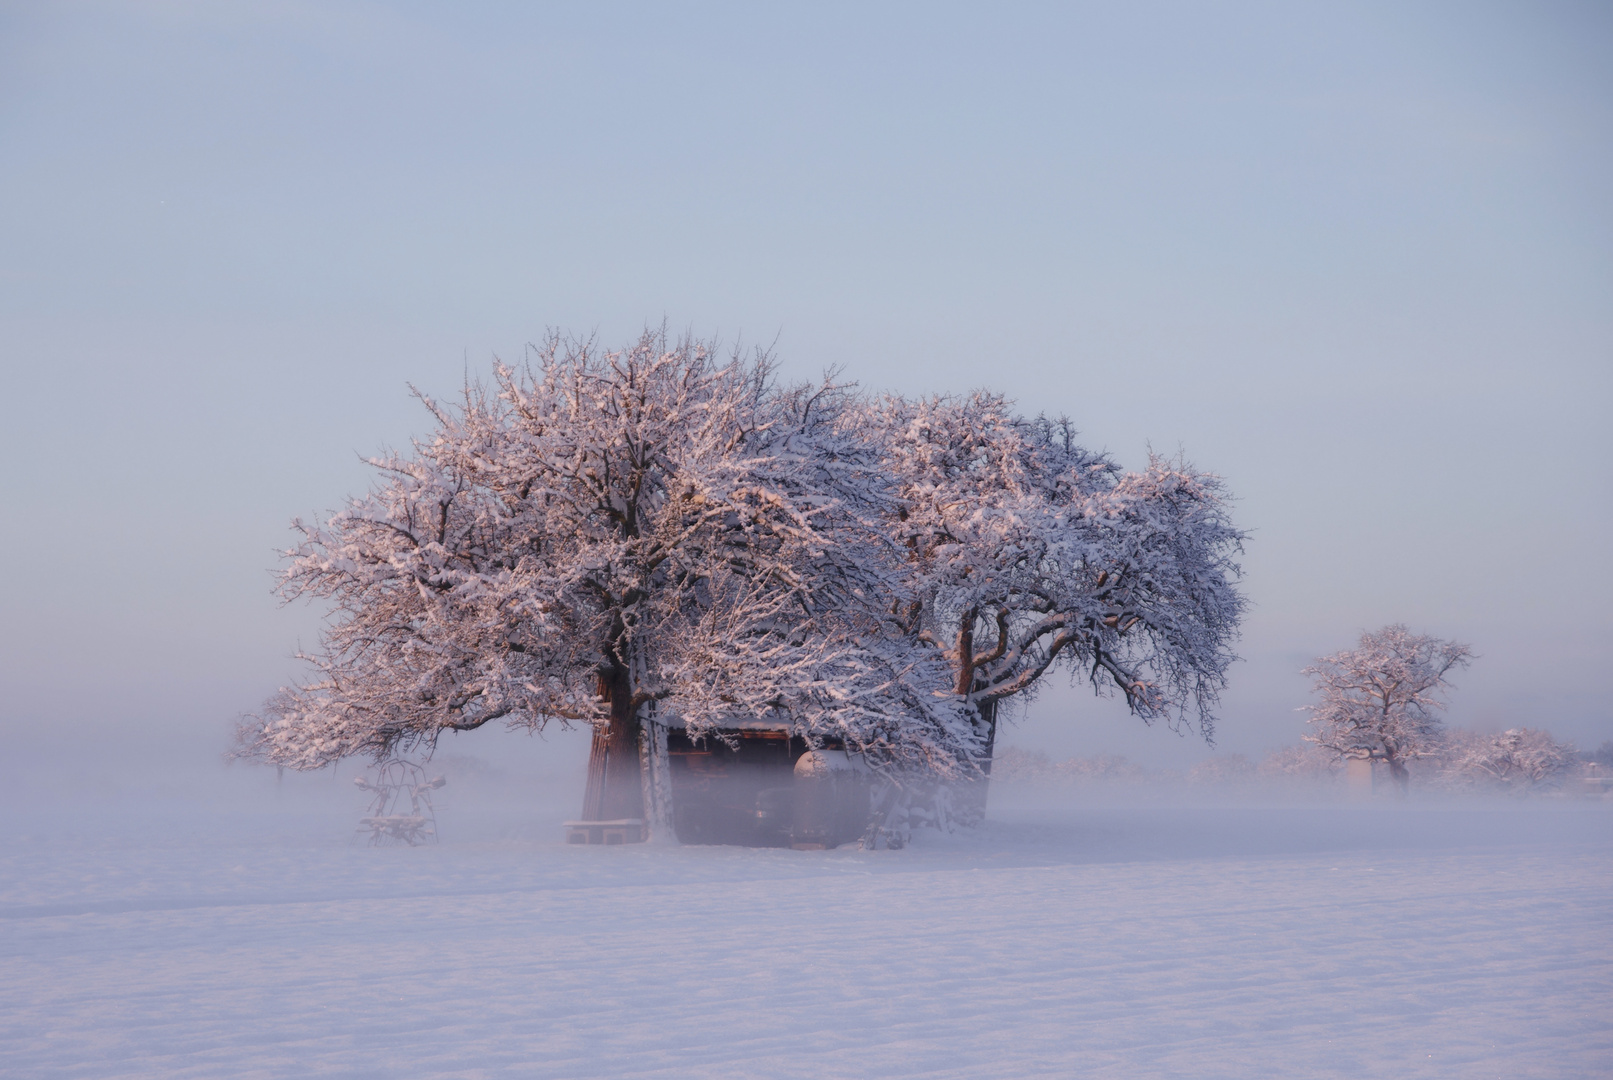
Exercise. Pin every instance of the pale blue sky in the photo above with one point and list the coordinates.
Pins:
(1358, 260)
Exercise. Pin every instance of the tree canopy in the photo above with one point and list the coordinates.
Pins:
(1027, 551)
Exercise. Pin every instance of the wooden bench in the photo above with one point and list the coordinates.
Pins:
(620, 831)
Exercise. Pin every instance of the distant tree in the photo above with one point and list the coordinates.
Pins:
(1518, 760)
(1379, 700)
(1302, 762)
(1027, 552)
(1222, 770)
(1015, 765)
(1106, 768)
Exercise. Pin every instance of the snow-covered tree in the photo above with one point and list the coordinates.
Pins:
(607, 533)
(607, 537)
(1222, 770)
(1518, 760)
(1014, 765)
(1027, 552)
(1379, 701)
(1303, 762)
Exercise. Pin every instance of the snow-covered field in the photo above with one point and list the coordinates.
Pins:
(182, 934)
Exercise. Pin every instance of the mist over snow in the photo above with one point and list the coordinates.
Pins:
(244, 929)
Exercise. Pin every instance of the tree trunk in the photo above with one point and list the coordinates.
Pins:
(972, 799)
(1401, 776)
(988, 713)
(615, 788)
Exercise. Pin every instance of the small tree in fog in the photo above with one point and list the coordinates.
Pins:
(1222, 770)
(1303, 762)
(1379, 701)
(1518, 760)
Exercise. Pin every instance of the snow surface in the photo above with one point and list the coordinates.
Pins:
(187, 934)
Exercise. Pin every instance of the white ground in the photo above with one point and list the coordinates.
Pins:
(188, 936)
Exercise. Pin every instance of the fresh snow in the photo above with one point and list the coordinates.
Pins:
(210, 935)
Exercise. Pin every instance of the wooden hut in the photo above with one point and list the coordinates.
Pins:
(752, 784)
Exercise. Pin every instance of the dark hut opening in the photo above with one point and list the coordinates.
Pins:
(738, 788)
(762, 787)
(751, 785)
